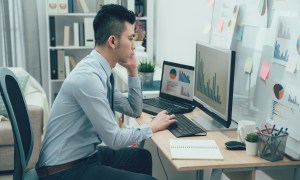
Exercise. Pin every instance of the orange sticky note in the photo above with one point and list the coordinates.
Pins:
(264, 71)
(220, 24)
(210, 3)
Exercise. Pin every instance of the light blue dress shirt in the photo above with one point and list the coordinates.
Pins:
(81, 113)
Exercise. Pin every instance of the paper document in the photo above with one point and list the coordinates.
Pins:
(195, 149)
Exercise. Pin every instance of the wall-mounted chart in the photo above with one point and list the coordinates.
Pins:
(278, 91)
(287, 40)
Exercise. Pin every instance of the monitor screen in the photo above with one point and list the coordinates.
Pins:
(213, 90)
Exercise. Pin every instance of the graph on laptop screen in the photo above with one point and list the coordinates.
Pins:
(213, 90)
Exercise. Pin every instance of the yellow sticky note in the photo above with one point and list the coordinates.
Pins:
(248, 65)
(220, 24)
(264, 71)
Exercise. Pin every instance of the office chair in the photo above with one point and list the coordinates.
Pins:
(18, 114)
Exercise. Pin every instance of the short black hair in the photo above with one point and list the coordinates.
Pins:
(110, 20)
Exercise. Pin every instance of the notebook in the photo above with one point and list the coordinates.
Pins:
(176, 90)
(195, 149)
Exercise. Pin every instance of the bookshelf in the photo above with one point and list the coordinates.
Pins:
(146, 9)
(67, 46)
(73, 13)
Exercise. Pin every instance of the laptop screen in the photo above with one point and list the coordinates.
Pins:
(177, 82)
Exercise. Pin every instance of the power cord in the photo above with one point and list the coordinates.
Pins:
(161, 163)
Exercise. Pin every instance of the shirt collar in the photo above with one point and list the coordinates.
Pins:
(102, 61)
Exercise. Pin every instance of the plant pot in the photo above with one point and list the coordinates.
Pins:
(251, 148)
(147, 78)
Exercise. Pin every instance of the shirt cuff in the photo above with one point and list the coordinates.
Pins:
(147, 130)
(134, 82)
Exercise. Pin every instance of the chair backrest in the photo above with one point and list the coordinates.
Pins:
(18, 114)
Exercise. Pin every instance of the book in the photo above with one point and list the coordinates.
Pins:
(52, 31)
(195, 149)
(72, 62)
(76, 33)
(53, 64)
(70, 6)
(67, 65)
(66, 35)
(81, 34)
(84, 6)
(61, 64)
(89, 32)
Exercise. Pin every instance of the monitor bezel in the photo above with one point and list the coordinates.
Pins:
(224, 120)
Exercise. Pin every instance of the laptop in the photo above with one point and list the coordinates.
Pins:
(176, 90)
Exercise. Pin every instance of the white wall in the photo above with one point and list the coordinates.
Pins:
(177, 28)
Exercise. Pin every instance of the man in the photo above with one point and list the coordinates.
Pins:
(83, 112)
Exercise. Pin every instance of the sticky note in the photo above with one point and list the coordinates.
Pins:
(248, 65)
(264, 71)
(211, 3)
(291, 64)
(220, 24)
(207, 28)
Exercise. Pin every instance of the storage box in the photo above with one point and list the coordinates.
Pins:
(272, 147)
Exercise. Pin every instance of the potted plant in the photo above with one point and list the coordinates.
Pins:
(251, 144)
(146, 69)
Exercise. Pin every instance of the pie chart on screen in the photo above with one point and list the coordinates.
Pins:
(173, 73)
(278, 91)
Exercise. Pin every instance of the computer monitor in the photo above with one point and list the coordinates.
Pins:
(213, 90)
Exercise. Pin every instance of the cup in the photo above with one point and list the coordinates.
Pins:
(245, 127)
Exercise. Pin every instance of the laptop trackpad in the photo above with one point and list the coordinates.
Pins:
(151, 109)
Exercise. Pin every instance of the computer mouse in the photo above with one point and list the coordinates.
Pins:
(235, 145)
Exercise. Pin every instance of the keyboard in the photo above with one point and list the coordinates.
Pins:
(185, 127)
(171, 107)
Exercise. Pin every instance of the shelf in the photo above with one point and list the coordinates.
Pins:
(71, 47)
(75, 14)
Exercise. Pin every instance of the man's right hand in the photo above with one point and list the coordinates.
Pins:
(162, 121)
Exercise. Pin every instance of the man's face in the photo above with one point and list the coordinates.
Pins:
(125, 48)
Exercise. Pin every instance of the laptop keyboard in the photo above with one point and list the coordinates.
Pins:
(185, 127)
(171, 107)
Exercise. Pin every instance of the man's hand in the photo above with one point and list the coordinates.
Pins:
(131, 66)
(162, 121)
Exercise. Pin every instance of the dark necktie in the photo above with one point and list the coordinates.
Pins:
(112, 82)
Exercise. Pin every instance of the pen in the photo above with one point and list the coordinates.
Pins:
(279, 131)
(267, 129)
(260, 131)
(273, 129)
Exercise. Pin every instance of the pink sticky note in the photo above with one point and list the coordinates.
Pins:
(264, 71)
(220, 24)
(210, 3)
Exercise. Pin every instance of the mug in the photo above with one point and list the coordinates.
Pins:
(245, 127)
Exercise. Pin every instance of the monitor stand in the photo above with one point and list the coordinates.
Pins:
(210, 124)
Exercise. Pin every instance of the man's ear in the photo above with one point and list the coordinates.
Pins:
(113, 41)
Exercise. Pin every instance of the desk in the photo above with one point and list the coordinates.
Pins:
(234, 161)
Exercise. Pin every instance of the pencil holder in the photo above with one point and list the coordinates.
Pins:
(271, 147)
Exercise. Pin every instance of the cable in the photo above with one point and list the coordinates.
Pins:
(161, 163)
